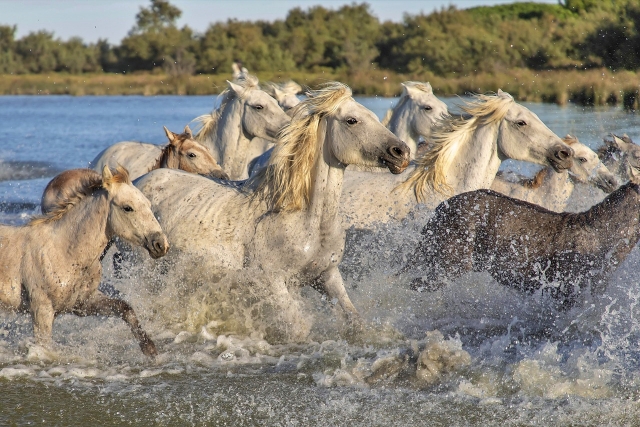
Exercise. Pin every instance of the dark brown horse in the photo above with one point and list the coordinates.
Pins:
(528, 247)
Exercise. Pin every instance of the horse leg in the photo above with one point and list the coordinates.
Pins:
(99, 304)
(333, 286)
(42, 314)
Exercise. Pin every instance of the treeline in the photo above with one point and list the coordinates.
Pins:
(574, 34)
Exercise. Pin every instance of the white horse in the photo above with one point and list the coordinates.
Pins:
(465, 156)
(246, 112)
(415, 115)
(283, 226)
(51, 265)
(552, 190)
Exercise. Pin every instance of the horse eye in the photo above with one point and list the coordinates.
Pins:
(258, 107)
(351, 121)
(127, 208)
(192, 155)
(521, 123)
(582, 160)
(427, 108)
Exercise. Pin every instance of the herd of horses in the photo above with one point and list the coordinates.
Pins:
(263, 193)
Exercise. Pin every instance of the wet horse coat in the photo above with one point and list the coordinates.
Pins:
(528, 247)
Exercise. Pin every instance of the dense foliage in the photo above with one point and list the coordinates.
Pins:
(574, 34)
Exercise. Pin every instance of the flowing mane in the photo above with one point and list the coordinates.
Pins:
(285, 184)
(76, 190)
(207, 123)
(447, 139)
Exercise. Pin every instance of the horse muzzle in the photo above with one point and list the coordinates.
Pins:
(219, 174)
(157, 245)
(396, 158)
(606, 183)
(560, 157)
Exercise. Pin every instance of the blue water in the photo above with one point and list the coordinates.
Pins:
(529, 365)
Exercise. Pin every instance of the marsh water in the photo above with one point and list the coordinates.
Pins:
(503, 358)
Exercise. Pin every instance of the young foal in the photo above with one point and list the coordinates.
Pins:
(182, 152)
(528, 247)
(50, 266)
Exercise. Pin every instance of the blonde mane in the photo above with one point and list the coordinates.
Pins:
(207, 123)
(77, 190)
(285, 184)
(447, 140)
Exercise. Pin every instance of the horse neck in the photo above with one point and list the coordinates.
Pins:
(231, 143)
(556, 185)
(617, 215)
(326, 181)
(82, 231)
(476, 163)
(400, 126)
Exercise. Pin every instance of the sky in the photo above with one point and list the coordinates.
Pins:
(112, 19)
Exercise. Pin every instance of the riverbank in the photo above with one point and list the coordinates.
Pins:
(590, 87)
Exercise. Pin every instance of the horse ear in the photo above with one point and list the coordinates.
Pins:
(409, 90)
(278, 94)
(187, 130)
(107, 178)
(503, 94)
(169, 134)
(428, 88)
(236, 88)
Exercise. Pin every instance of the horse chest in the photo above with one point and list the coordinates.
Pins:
(297, 246)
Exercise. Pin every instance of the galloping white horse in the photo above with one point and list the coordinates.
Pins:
(552, 190)
(466, 155)
(282, 225)
(415, 115)
(246, 112)
(50, 266)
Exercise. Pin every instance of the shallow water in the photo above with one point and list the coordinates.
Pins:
(498, 358)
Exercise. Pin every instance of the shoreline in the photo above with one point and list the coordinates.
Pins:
(588, 87)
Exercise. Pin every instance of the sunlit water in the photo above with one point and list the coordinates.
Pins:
(493, 356)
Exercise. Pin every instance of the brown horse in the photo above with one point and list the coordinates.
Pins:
(528, 247)
(50, 266)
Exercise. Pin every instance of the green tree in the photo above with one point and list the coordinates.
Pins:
(9, 61)
(155, 41)
(38, 52)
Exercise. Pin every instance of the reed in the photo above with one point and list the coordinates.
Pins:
(584, 87)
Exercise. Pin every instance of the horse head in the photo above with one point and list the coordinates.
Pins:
(262, 117)
(587, 167)
(187, 154)
(523, 136)
(357, 137)
(130, 216)
(426, 110)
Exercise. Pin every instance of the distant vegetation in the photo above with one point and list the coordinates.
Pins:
(573, 38)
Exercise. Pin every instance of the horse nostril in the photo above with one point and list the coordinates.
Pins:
(397, 152)
(563, 154)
